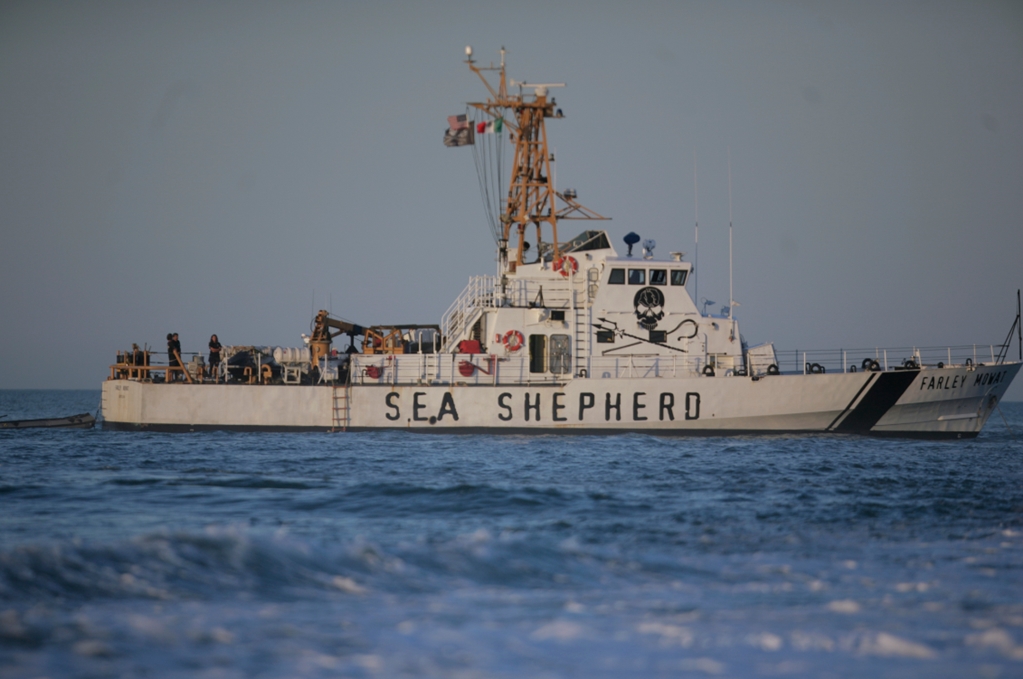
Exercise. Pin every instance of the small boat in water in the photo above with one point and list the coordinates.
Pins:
(82, 421)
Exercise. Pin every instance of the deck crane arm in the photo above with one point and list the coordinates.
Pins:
(319, 343)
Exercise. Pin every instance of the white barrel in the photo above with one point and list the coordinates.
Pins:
(291, 354)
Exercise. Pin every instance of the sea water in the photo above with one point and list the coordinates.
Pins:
(400, 555)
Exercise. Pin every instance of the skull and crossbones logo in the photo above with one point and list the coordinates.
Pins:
(649, 303)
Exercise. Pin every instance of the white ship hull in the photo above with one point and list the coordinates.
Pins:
(568, 336)
(927, 403)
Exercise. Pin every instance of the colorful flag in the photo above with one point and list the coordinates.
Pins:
(492, 127)
(458, 122)
(462, 137)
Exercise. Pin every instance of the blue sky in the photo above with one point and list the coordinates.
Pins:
(232, 167)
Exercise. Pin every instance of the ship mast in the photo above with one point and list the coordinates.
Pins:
(531, 193)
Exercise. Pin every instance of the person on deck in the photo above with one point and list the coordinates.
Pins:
(214, 355)
(173, 355)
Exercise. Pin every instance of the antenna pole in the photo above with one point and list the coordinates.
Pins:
(696, 210)
(1019, 326)
(731, 297)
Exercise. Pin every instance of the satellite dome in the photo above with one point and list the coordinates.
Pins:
(631, 238)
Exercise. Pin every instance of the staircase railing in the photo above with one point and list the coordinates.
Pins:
(477, 295)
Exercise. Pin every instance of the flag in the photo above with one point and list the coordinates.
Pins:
(458, 122)
(492, 127)
(462, 137)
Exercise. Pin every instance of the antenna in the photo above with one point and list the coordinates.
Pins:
(731, 297)
(531, 198)
(696, 254)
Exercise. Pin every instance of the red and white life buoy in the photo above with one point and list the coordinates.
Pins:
(513, 340)
(566, 266)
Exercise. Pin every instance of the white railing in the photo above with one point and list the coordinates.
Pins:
(478, 294)
(483, 292)
(673, 365)
(446, 369)
(550, 294)
(887, 358)
(490, 369)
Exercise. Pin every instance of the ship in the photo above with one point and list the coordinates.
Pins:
(565, 337)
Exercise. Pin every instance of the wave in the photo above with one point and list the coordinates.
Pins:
(236, 562)
(177, 566)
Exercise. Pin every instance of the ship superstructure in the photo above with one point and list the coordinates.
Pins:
(568, 336)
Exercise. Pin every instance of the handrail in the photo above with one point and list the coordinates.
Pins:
(125, 370)
(477, 294)
(796, 361)
(514, 368)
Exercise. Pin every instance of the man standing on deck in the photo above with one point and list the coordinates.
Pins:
(173, 355)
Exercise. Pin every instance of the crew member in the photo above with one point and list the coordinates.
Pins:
(214, 355)
(173, 355)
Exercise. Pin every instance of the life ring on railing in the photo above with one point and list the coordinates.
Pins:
(773, 369)
(566, 266)
(513, 340)
(708, 370)
(373, 372)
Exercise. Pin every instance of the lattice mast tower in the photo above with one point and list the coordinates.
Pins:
(532, 198)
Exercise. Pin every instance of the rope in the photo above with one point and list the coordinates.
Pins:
(488, 155)
(1011, 432)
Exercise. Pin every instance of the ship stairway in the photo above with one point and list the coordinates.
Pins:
(466, 310)
(341, 410)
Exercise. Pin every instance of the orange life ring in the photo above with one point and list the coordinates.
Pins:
(566, 266)
(513, 340)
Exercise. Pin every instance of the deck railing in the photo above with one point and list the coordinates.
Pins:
(139, 366)
(484, 292)
(490, 369)
(797, 361)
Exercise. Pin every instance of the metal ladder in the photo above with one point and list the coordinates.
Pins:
(340, 407)
(580, 332)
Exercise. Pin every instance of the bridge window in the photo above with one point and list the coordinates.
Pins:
(658, 277)
(678, 276)
(617, 277)
(637, 276)
(605, 337)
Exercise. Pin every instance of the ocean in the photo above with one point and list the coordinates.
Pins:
(402, 555)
